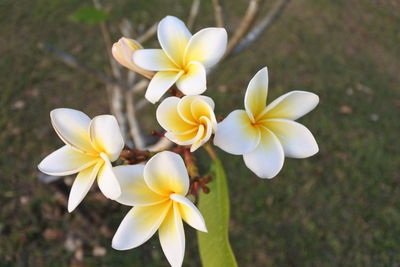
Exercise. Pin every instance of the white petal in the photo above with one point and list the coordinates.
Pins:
(106, 136)
(255, 99)
(139, 225)
(189, 212)
(173, 37)
(169, 118)
(267, 159)
(292, 105)
(66, 161)
(153, 59)
(82, 184)
(186, 138)
(207, 46)
(236, 134)
(193, 81)
(166, 173)
(172, 237)
(134, 190)
(297, 141)
(107, 181)
(72, 126)
(161, 82)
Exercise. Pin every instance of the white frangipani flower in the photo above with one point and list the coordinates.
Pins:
(91, 146)
(157, 191)
(264, 135)
(183, 58)
(188, 121)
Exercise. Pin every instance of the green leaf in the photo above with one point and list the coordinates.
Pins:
(89, 15)
(214, 246)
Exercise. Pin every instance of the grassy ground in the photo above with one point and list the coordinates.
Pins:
(339, 208)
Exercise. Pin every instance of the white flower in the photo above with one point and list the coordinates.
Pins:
(183, 58)
(157, 192)
(264, 135)
(188, 121)
(91, 146)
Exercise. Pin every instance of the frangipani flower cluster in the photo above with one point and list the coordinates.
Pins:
(157, 189)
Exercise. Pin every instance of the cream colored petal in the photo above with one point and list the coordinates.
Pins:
(172, 237)
(291, 106)
(202, 138)
(106, 136)
(107, 181)
(189, 212)
(193, 81)
(267, 159)
(72, 126)
(166, 173)
(139, 225)
(236, 134)
(169, 118)
(134, 190)
(160, 84)
(173, 37)
(207, 46)
(255, 99)
(81, 186)
(154, 59)
(297, 141)
(123, 51)
(66, 161)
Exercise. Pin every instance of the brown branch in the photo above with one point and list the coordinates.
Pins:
(194, 10)
(218, 14)
(244, 25)
(148, 34)
(261, 26)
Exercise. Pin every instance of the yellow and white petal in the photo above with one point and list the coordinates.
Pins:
(173, 37)
(139, 225)
(161, 82)
(267, 159)
(236, 134)
(134, 190)
(297, 141)
(154, 59)
(107, 181)
(169, 118)
(72, 126)
(207, 46)
(82, 183)
(185, 107)
(255, 99)
(165, 173)
(291, 106)
(66, 161)
(186, 138)
(205, 136)
(193, 81)
(189, 212)
(106, 137)
(172, 237)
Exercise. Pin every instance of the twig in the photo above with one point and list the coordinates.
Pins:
(261, 26)
(244, 25)
(140, 86)
(133, 122)
(148, 34)
(161, 144)
(73, 62)
(194, 10)
(218, 14)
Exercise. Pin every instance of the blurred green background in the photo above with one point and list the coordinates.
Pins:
(338, 208)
